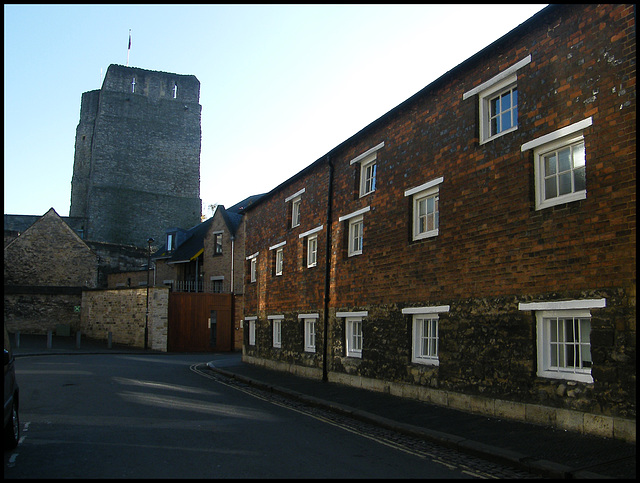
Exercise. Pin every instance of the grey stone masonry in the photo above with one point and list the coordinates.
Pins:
(137, 156)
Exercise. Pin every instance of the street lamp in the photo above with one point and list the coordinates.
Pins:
(146, 320)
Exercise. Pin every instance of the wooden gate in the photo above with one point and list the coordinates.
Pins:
(200, 322)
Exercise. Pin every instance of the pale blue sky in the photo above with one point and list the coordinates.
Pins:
(280, 85)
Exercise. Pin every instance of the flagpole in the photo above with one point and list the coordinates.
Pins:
(129, 49)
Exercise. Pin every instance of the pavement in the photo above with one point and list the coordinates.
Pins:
(543, 451)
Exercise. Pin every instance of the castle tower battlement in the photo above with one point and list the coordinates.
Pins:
(137, 156)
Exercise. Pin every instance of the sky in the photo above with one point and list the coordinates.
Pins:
(280, 85)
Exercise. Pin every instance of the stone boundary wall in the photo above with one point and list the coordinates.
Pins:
(41, 309)
(576, 421)
(123, 313)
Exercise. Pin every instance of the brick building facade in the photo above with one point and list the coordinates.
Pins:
(477, 242)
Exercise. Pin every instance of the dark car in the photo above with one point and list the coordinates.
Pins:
(11, 397)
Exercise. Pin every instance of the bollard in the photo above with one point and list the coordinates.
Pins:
(78, 335)
(49, 339)
(17, 339)
(109, 338)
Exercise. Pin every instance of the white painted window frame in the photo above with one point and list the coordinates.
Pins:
(555, 140)
(489, 89)
(418, 315)
(276, 322)
(252, 329)
(366, 160)
(309, 321)
(296, 201)
(352, 318)
(253, 266)
(279, 257)
(544, 311)
(279, 261)
(355, 218)
(419, 193)
(312, 242)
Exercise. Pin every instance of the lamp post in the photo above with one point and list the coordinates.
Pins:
(146, 320)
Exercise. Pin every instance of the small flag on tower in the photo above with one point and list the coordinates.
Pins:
(129, 48)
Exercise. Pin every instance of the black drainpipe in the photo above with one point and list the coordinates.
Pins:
(327, 275)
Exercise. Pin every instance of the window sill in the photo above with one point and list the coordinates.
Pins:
(500, 134)
(566, 376)
(570, 198)
(425, 362)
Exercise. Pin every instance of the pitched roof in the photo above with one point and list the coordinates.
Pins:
(193, 243)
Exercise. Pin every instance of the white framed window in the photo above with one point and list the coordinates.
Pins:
(563, 333)
(356, 235)
(277, 333)
(295, 212)
(278, 257)
(312, 251)
(276, 322)
(424, 333)
(253, 266)
(560, 165)
(296, 201)
(368, 169)
(354, 336)
(279, 260)
(312, 245)
(368, 177)
(498, 102)
(353, 332)
(171, 241)
(499, 109)
(425, 339)
(310, 335)
(309, 321)
(252, 329)
(426, 209)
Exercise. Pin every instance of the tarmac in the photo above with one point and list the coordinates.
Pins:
(543, 451)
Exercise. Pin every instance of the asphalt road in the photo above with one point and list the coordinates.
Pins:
(160, 416)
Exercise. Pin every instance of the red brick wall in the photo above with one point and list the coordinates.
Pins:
(492, 241)
(494, 249)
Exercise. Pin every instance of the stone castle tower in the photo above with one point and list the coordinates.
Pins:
(136, 168)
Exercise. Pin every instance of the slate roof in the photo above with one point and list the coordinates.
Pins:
(194, 242)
